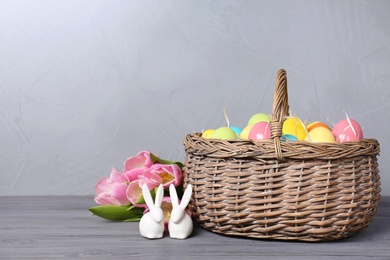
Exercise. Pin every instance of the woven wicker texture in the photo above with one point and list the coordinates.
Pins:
(282, 190)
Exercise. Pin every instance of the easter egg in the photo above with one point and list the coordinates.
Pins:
(260, 131)
(316, 124)
(245, 132)
(224, 132)
(288, 138)
(207, 133)
(320, 135)
(294, 126)
(259, 117)
(347, 130)
(237, 130)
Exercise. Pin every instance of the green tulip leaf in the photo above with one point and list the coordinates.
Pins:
(116, 213)
(134, 219)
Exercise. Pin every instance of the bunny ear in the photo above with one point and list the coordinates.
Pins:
(159, 195)
(186, 196)
(173, 195)
(147, 197)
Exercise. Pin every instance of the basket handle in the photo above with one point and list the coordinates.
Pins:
(280, 110)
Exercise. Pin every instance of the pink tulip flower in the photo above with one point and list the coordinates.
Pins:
(112, 190)
(166, 174)
(132, 175)
(134, 194)
(141, 160)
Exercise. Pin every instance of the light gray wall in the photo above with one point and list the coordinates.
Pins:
(86, 84)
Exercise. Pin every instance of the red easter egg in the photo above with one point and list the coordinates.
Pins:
(347, 130)
(260, 131)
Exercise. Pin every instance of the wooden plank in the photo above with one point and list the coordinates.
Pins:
(49, 227)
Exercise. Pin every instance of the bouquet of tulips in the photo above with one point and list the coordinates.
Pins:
(119, 196)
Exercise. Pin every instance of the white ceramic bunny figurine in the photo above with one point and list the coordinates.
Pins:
(151, 224)
(180, 223)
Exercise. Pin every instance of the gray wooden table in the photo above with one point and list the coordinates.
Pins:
(51, 227)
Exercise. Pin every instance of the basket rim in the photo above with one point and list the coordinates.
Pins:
(265, 149)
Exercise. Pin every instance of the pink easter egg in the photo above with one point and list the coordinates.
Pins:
(260, 131)
(347, 130)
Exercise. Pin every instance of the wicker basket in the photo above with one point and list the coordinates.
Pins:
(282, 190)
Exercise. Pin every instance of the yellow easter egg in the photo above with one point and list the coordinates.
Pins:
(208, 133)
(294, 126)
(320, 135)
(245, 132)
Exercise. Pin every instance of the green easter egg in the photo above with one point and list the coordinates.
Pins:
(224, 133)
(259, 117)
